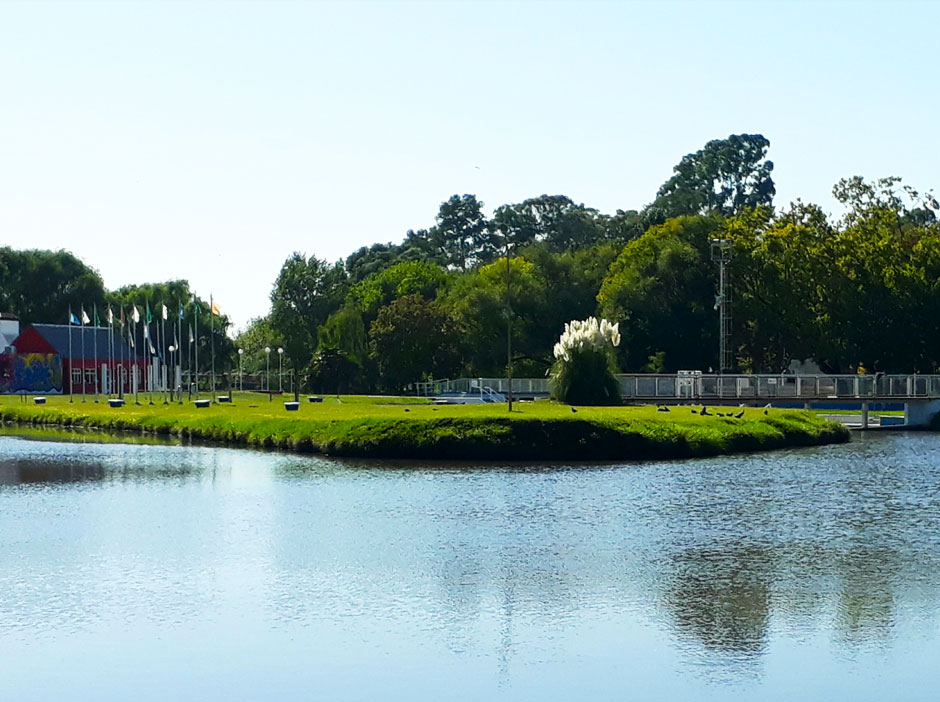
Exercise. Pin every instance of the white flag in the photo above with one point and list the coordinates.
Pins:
(164, 311)
(85, 319)
(110, 315)
(136, 314)
(147, 331)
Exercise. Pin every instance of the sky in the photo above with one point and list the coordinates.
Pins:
(210, 140)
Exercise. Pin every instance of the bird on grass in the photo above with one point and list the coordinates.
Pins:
(694, 412)
(739, 414)
(662, 409)
(407, 410)
(704, 411)
(766, 408)
(573, 410)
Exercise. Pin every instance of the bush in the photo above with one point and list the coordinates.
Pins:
(584, 368)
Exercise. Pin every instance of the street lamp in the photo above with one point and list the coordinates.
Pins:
(280, 371)
(171, 381)
(267, 355)
(241, 378)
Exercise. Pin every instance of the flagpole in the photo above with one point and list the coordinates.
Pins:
(136, 368)
(110, 353)
(71, 358)
(94, 308)
(212, 343)
(83, 352)
(178, 378)
(163, 349)
(196, 352)
(121, 373)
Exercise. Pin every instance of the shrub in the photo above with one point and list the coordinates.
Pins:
(584, 368)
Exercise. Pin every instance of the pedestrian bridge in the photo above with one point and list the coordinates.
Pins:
(920, 394)
(694, 386)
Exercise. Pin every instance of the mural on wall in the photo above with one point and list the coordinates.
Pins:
(30, 372)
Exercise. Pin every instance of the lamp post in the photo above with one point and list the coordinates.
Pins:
(170, 384)
(267, 355)
(241, 377)
(280, 370)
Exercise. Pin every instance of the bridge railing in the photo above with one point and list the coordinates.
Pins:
(706, 387)
(795, 387)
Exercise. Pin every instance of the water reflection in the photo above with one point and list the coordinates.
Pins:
(25, 471)
(508, 581)
(722, 598)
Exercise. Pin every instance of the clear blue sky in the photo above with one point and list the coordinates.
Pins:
(162, 140)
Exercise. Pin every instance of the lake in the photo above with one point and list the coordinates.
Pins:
(154, 572)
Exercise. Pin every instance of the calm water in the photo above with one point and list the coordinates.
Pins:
(168, 572)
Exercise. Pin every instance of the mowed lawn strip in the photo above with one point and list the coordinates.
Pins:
(383, 427)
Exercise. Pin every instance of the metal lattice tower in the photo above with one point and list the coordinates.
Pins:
(721, 254)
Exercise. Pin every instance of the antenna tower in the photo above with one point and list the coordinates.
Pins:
(721, 254)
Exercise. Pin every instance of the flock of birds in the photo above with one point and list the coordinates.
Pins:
(705, 413)
(663, 408)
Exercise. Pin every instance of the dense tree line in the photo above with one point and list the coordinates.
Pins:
(850, 293)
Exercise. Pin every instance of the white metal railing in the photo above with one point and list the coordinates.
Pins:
(694, 386)
(794, 387)
(521, 386)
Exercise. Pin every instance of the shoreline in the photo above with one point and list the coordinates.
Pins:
(367, 429)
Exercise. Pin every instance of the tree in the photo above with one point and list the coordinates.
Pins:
(554, 220)
(40, 286)
(412, 339)
(259, 334)
(305, 293)
(661, 290)
(462, 233)
(406, 278)
(725, 177)
(332, 371)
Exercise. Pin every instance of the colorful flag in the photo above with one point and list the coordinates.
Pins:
(97, 318)
(181, 310)
(147, 332)
(135, 314)
(215, 309)
(149, 316)
(74, 320)
(122, 316)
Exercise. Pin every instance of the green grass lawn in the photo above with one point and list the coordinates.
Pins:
(410, 427)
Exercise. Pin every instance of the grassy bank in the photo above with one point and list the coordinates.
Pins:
(392, 428)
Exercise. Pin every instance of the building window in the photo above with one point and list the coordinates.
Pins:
(76, 376)
(89, 376)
